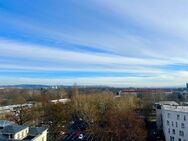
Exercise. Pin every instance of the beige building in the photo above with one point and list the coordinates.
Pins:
(11, 132)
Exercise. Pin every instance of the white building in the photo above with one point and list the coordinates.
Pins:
(11, 108)
(175, 122)
(158, 109)
(64, 100)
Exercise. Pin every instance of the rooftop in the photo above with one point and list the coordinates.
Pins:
(64, 100)
(4, 123)
(167, 103)
(12, 129)
(33, 131)
(2, 138)
(176, 108)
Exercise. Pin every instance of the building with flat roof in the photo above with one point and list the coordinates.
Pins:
(64, 100)
(12, 108)
(175, 122)
(158, 108)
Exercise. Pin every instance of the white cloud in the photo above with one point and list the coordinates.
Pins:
(158, 38)
(13, 49)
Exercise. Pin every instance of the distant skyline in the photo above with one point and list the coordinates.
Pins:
(137, 43)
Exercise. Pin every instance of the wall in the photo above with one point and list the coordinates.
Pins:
(173, 118)
(41, 137)
(22, 134)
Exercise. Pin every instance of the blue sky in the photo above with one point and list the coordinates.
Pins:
(139, 43)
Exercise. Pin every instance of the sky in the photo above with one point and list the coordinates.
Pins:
(120, 43)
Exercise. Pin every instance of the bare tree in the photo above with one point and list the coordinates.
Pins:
(21, 115)
(109, 118)
(56, 117)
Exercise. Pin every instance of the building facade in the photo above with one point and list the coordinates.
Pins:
(158, 109)
(13, 132)
(12, 108)
(175, 122)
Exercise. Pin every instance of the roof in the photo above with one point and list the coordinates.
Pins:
(10, 107)
(176, 108)
(33, 131)
(12, 129)
(143, 90)
(4, 123)
(2, 138)
(167, 103)
(64, 100)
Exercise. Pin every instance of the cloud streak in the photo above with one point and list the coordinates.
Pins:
(134, 40)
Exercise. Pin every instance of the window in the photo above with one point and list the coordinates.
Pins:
(182, 125)
(178, 117)
(184, 117)
(169, 130)
(171, 138)
(158, 106)
(176, 124)
(181, 133)
(168, 115)
(167, 122)
(179, 139)
(11, 136)
(18, 136)
(173, 131)
(172, 123)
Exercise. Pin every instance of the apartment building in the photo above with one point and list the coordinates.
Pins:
(158, 108)
(12, 108)
(13, 132)
(175, 122)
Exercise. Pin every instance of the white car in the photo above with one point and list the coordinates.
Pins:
(81, 137)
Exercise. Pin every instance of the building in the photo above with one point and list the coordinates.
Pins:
(175, 122)
(64, 100)
(13, 132)
(133, 91)
(36, 134)
(158, 108)
(12, 108)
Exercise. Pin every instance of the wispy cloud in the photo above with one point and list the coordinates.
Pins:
(137, 40)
